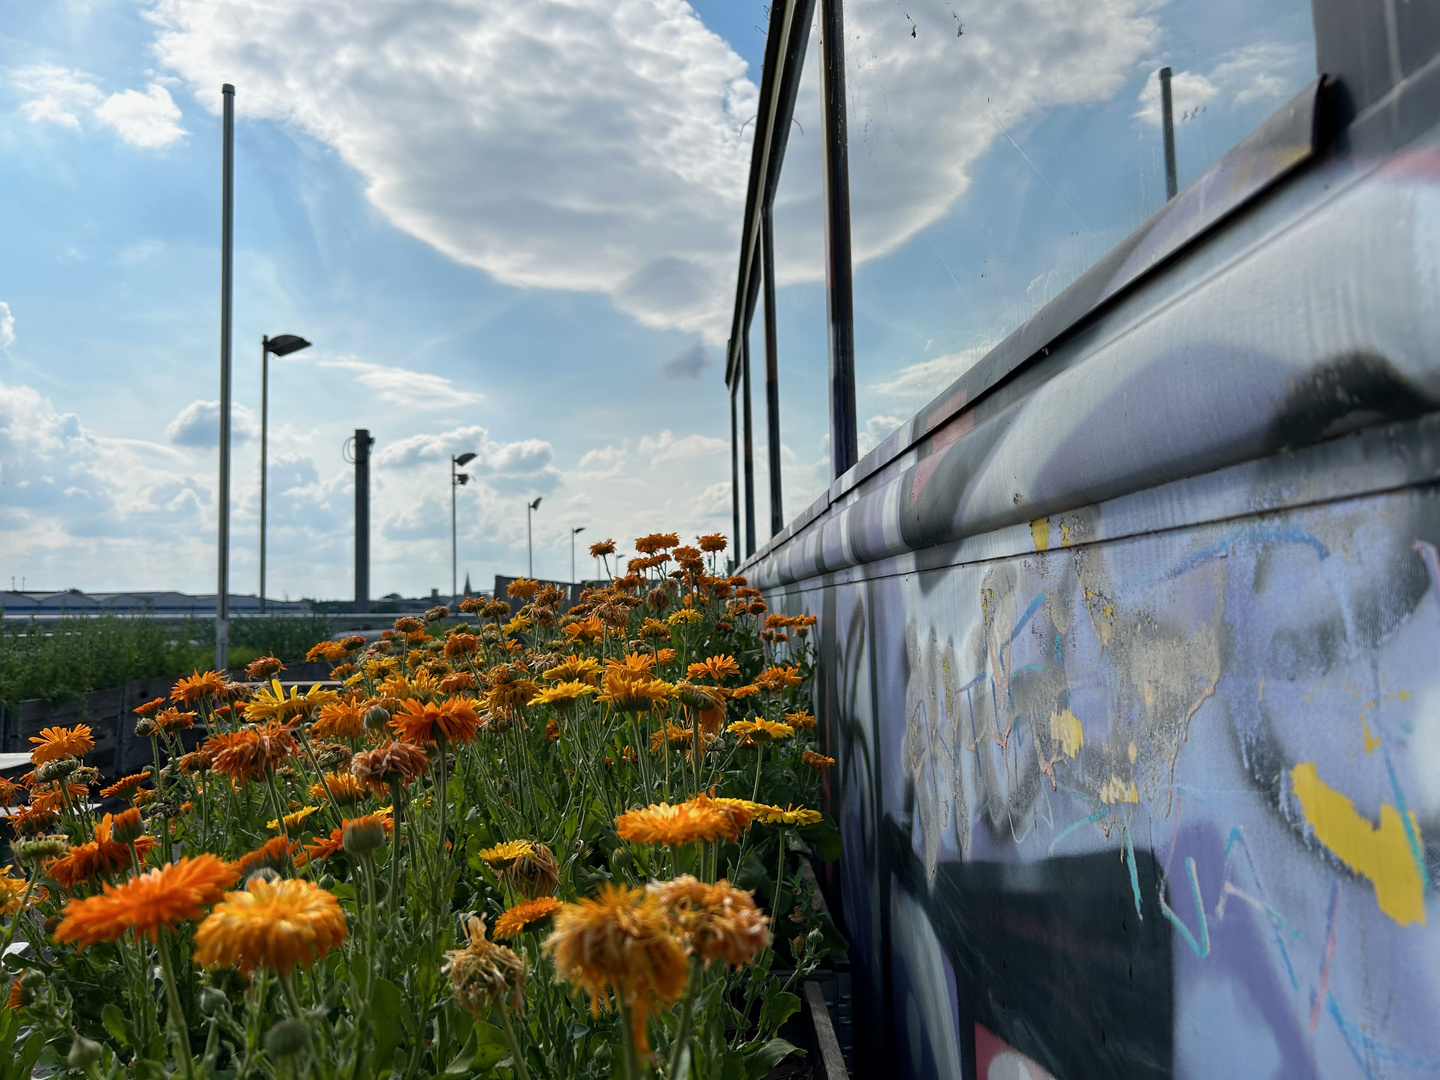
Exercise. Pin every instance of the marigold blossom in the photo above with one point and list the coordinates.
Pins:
(818, 762)
(714, 922)
(685, 823)
(715, 668)
(339, 720)
(165, 897)
(502, 855)
(279, 925)
(54, 743)
(193, 688)
(526, 915)
(759, 730)
(419, 722)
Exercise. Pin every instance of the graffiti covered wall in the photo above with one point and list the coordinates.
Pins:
(1132, 669)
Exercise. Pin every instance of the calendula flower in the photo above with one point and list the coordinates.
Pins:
(11, 891)
(774, 815)
(674, 734)
(294, 819)
(758, 730)
(584, 669)
(502, 855)
(126, 786)
(565, 695)
(54, 743)
(712, 542)
(270, 703)
(818, 762)
(526, 915)
(278, 925)
(715, 668)
(420, 722)
(326, 650)
(196, 687)
(482, 972)
(10, 794)
(800, 721)
(685, 617)
(168, 896)
(634, 691)
(52, 798)
(342, 787)
(274, 854)
(458, 645)
(339, 720)
(589, 628)
(604, 547)
(171, 721)
(775, 679)
(264, 668)
(150, 708)
(620, 943)
(250, 754)
(535, 873)
(713, 922)
(29, 820)
(522, 588)
(390, 762)
(685, 823)
(108, 853)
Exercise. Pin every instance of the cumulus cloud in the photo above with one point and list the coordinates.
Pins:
(918, 384)
(523, 456)
(403, 387)
(1262, 71)
(690, 364)
(577, 144)
(60, 95)
(198, 424)
(7, 326)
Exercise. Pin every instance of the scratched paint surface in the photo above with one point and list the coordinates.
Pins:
(1151, 787)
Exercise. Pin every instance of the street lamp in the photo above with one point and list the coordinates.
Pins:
(529, 545)
(576, 529)
(456, 479)
(283, 345)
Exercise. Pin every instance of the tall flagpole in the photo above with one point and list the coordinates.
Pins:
(227, 201)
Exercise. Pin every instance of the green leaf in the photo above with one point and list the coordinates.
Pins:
(114, 1021)
(761, 1061)
(462, 1065)
(490, 1046)
(825, 835)
(24, 1065)
(385, 1001)
(780, 1008)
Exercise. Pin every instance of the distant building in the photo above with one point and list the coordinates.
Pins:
(25, 605)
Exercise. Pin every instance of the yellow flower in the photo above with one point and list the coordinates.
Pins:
(585, 669)
(518, 624)
(502, 855)
(277, 925)
(11, 890)
(293, 820)
(270, 702)
(685, 823)
(801, 721)
(757, 730)
(685, 617)
(565, 695)
(774, 815)
(343, 788)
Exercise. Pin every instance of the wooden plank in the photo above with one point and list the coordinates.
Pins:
(831, 1058)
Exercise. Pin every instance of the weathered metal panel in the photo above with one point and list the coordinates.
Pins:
(1130, 668)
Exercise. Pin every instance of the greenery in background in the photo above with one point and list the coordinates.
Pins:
(70, 656)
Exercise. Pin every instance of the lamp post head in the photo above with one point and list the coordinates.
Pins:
(577, 529)
(285, 344)
(536, 504)
(464, 459)
(462, 478)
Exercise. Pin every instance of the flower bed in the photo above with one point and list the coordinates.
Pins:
(556, 844)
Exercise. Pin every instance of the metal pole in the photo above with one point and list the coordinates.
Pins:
(839, 298)
(453, 555)
(264, 445)
(227, 203)
(772, 368)
(734, 473)
(749, 446)
(572, 556)
(1167, 126)
(362, 519)
(529, 545)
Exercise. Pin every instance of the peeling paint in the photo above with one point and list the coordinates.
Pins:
(1066, 729)
(1040, 531)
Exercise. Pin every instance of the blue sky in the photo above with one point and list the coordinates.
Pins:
(512, 229)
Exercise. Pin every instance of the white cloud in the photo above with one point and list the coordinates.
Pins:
(918, 384)
(198, 424)
(575, 144)
(524, 458)
(60, 95)
(666, 447)
(1263, 71)
(7, 326)
(147, 120)
(403, 387)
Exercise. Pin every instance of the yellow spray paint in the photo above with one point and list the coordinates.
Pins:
(1066, 730)
(1371, 741)
(1040, 530)
(1381, 854)
(1118, 791)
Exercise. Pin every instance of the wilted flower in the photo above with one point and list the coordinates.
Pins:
(714, 922)
(482, 973)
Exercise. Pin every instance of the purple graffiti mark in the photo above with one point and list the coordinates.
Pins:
(1134, 875)
(1261, 904)
(1258, 535)
(1324, 988)
(1201, 948)
(1411, 835)
(1357, 1040)
(1431, 558)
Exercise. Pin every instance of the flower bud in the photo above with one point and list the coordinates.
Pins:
(264, 873)
(289, 1036)
(376, 718)
(146, 728)
(83, 1053)
(212, 1000)
(86, 774)
(39, 848)
(327, 882)
(127, 826)
(58, 769)
(363, 835)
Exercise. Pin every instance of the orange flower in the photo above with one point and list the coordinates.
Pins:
(278, 925)
(323, 847)
(10, 794)
(800, 721)
(342, 787)
(457, 645)
(12, 889)
(339, 720)
(150, 708)
(758, 730)
(818, 762)
(264, 668)
(589, 628)
(525, 915)
(256, 751)
(714, 922)
(54, 743)
(418, 722)
(522, 588)
(621, 943)
(51, 798)
(391, 761)
(165, 897)
(634, 691)
(584, 669)
(275, 853)
(326, 650)
(104, 854)
(604, 547)
(194, 687)
(171, 720)
(32, 819)
(685, 823)
(715, 668)
(713, 542)
(778, 678)
(454, 683)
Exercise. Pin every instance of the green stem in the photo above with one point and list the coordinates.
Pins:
(687, 1021)
(288, 988)
(515, 1052)
(759, 758)
(178, 1027)
(627, 1041)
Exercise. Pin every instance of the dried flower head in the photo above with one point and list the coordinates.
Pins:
(482, 973)
(714, 922)
(390, 762)
(253, 752)
(818, 762)
(533, 873)
(264, 668)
